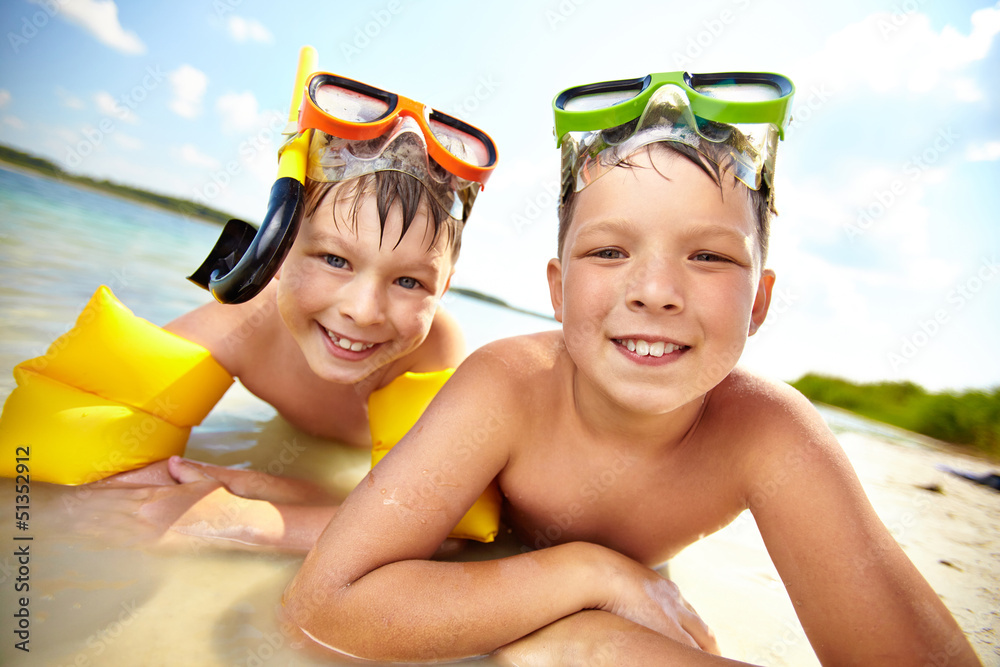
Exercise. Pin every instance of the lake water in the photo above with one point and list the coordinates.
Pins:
(99, 601)
(95, 602)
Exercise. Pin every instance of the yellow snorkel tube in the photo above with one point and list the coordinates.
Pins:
(245, 258)
(292, 160)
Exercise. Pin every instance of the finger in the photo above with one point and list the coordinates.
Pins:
(154, 474)
(246, 483)
(695, 626)
(186, 471)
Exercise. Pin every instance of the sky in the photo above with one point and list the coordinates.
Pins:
(887, 246)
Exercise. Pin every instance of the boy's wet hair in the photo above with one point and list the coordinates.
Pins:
(390, 188)
(762, 199)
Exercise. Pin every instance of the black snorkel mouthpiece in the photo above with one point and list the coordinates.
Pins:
(245, 259)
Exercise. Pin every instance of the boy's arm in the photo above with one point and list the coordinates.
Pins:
(859, 598)
(213, 507)
(224, 329)
(600, 638)
(367, 588)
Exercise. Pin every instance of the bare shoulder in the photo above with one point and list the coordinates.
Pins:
(516, 381)
(766, 404)
(519, 367)
(444, 346)
(524, 358)
(231, 332)
(774, 428)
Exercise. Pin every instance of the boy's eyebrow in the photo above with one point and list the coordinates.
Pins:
(713, 229)
(611, 225)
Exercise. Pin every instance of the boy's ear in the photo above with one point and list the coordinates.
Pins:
(554, 274)
(763, 300)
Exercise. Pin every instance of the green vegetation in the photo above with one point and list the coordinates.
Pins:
(46, 168)
(970, 418)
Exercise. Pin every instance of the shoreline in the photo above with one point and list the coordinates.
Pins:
(120, 192)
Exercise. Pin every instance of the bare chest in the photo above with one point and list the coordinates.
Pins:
(325, 409)
(648, 510)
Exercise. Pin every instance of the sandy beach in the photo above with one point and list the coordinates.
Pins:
(948, 526)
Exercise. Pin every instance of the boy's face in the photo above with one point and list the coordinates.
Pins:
(660, 282)
(352, 304)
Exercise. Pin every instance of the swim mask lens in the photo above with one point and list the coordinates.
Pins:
(359, 129)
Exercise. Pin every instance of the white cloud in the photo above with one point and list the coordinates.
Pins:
(189, 85)
(189, 153)
(248, 30)
(988, 152)
(4, 97)
(239, 111)
(64, 134)
(68, 99)
(109, 106)
(100, 19)
(887, 51)
(127, 142)
(14, 122)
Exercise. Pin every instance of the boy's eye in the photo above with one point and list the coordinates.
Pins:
(336, 262)
(408, 283)
(608, 253)
(710, 257)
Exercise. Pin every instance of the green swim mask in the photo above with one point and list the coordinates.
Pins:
(734, 119)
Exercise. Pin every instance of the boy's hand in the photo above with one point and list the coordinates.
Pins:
(642, 596)
(250, 483)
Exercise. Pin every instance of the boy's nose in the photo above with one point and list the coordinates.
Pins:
(363, 302)
(655, 285)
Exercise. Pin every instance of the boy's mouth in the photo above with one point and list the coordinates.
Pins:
(347, 343)
(644, 348)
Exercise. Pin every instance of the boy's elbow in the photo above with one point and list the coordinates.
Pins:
(305, 604)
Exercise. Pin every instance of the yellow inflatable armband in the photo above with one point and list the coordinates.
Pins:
(114, 393)
(393, 410)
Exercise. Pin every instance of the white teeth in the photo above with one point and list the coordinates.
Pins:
(645, 348)
(354, 346)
